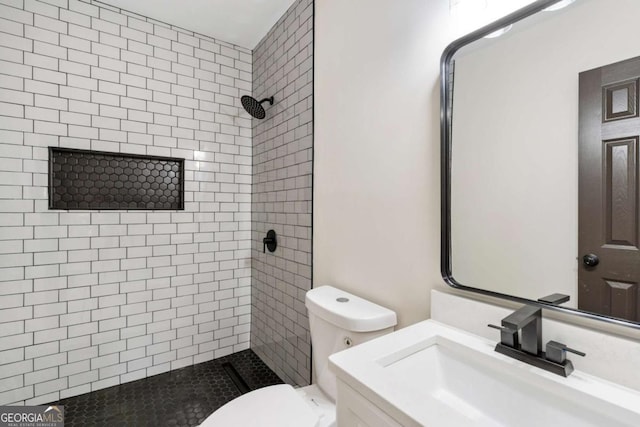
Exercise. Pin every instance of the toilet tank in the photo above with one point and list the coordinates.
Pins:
(339, 320)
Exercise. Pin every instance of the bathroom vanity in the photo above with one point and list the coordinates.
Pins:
(436, 375)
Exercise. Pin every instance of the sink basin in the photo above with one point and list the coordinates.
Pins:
(432, 374)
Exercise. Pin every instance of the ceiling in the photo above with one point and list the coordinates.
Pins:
(241, 22)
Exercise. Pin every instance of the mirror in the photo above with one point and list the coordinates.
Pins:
(540, 135)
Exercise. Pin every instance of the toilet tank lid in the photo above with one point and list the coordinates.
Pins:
(348, 311)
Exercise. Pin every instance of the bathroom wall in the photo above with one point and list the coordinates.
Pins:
(281, 195)
(94, 299)
(376, 165)
(377, 136)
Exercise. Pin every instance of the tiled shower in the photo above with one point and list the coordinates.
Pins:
(92, 299)
(281, 195)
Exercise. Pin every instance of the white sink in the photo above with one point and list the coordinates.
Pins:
(432, 374)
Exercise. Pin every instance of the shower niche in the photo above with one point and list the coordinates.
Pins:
(89, 180)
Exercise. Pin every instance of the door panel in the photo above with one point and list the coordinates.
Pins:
(619, 101)
(623, 297)
(621, 203)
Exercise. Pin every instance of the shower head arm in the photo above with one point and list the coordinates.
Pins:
(267, 99)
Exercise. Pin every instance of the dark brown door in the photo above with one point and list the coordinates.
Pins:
(609, 258)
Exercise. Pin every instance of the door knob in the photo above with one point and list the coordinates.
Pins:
(591, 260)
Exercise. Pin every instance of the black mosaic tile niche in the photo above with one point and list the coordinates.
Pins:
(84, 179)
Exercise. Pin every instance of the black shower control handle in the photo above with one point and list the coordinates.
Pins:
(270, 242)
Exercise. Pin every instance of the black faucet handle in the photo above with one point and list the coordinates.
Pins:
(571, 350)
(557, 352)
(501, 328)
(508, 336)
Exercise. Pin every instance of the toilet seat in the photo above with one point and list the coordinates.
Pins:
(273, 406)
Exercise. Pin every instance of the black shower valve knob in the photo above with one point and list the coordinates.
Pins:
(270, 242)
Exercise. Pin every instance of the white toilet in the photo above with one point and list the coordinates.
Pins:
(337, 320)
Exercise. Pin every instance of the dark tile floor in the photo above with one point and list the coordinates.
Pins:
(184, 397)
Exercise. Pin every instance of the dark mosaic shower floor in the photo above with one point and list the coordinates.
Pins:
(184, 397)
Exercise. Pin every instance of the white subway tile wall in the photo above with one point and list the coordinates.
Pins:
(94, 299)
(281, 195)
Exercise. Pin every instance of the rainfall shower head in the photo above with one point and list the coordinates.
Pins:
(254, 107)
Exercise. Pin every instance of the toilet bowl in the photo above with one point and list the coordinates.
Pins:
(337, 321)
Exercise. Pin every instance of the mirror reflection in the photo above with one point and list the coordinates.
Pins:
(544, 179)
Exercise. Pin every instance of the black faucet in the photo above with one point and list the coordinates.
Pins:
(529, 320)
(527, 345)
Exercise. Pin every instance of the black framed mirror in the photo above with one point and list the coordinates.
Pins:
(521, 100)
